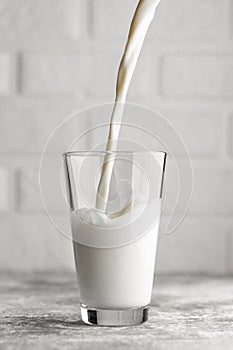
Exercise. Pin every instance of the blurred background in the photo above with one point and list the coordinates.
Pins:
(59, 56)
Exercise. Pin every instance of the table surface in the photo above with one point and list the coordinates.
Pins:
(41, 311)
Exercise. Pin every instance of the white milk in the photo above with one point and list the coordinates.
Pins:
(119, 277)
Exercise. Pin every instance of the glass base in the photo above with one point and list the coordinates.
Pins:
(114, 317)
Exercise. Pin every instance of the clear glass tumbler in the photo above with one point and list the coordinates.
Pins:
(115, 249)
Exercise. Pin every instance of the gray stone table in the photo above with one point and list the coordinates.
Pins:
(41, 311)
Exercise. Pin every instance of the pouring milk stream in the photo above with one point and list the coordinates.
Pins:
(142, 18)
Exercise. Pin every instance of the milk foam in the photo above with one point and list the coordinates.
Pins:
(98, 218)
(94, 228)
(142, 18)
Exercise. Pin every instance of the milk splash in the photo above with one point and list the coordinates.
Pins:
(142, 18)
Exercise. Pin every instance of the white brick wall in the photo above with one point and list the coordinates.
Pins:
(28, 196)
(190, 20)
(24, 21)
(29, 242)
(198, 76)
(8, 13)
(230, 135)
(47, 74)
(5, 74)
(28, 122)
(59, 56)
(57, 20)
(212, 186)
(4, 189)
(68, 74)
(211, 191)
(202, 127)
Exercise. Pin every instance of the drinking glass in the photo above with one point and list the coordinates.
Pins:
(115, 249)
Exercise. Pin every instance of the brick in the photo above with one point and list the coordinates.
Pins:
(211, 191)
(28, 123)
(8, 20)
(198, 245)
(99, 76)
(230, 135)
(111, 19)
(198, 76)
(29, 198)
(4, 189)
(50, 74)
(33, 244)
(5, 74)
(211, 188)
(56, 20)
(41, 21)
(229, 19)
(203, 127)
(187, 19)
(28, 191)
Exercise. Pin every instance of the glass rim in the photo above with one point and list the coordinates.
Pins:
(97, 153)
